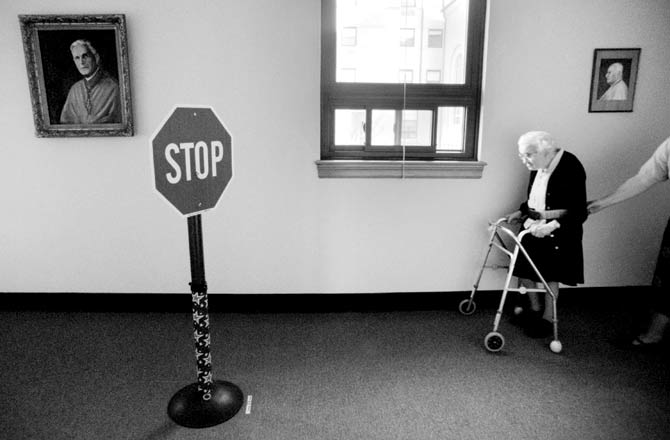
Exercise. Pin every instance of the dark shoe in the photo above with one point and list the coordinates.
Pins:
(639, 345)
(539, 328)
(524, 317)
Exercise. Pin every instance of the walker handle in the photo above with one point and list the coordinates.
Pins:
(498, 222)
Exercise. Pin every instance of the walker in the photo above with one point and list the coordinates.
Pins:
(494, 341)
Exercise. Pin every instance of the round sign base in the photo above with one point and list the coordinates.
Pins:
(188, 408)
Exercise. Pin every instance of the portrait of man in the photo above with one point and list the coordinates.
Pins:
(613, 80)
(79, 74)
(618, 90)
(94, 99)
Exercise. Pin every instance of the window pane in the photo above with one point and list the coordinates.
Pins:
(384, 128)
(414, 129)
(349, 127)
(450, 128)
(383, 39)
(417, 125)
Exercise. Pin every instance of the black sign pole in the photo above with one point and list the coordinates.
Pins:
(207, 402)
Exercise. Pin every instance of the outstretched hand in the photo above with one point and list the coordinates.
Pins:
(593, 206)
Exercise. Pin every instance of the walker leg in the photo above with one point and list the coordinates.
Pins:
(508, 280)
(555, 345)
(468, 306)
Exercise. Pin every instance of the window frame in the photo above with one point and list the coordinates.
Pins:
(398, 96)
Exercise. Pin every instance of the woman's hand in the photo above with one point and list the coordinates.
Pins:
(514, 217)
(594, 206)
(542, 229)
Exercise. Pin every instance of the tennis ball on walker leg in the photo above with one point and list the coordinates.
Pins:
(518, 310)
(556, 346)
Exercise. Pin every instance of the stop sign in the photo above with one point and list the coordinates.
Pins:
(192, 156)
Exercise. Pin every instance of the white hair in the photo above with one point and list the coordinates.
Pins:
(540, 139)
(617, 67)
(88, 45)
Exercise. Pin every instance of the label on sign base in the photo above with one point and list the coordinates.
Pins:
(192, 158)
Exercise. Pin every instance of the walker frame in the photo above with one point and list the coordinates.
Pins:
(494, 340)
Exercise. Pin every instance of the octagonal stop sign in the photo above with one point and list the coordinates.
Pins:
(192, 156)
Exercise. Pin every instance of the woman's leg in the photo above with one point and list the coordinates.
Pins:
(536, 323)
(533, 298)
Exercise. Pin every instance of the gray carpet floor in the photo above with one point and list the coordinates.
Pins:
(386, 375)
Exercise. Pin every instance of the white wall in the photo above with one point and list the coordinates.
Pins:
(81, 215)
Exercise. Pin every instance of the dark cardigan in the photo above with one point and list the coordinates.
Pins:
(559, 257)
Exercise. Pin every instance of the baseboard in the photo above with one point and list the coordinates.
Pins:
(292, 303)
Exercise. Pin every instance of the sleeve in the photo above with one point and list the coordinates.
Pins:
(655, 169)
(577, 212)
(568, 191)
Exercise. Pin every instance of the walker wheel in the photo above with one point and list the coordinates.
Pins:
(494, 341)
(467, 307)
(556, 346)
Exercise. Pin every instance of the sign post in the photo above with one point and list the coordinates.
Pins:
(192, 157)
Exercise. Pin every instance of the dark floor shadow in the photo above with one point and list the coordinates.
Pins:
(163, 432)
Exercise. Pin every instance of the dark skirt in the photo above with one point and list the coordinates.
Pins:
(553, 258)
(661, 281)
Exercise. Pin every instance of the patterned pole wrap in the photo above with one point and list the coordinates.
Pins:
(202, 343)
(200, 308)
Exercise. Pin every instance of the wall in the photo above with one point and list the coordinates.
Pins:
(81, 215)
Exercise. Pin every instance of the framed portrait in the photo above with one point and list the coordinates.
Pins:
(613, 80)
(78, 74)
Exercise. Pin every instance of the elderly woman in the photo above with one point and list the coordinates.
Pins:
(554, 213)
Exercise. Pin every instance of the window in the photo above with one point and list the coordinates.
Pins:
(435, 38)
(433, 76)
(404, 102)
(349, 35)
(407, 7)
(405, 76)
(406, 37)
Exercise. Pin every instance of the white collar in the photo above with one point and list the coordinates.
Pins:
(554, 162)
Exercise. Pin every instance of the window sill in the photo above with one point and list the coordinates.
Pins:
(399, 169)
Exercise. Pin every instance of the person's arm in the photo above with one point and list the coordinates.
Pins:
(630, 188)
(653, 171)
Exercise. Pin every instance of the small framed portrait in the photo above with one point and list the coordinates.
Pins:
(78, 74)
(613, 80)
